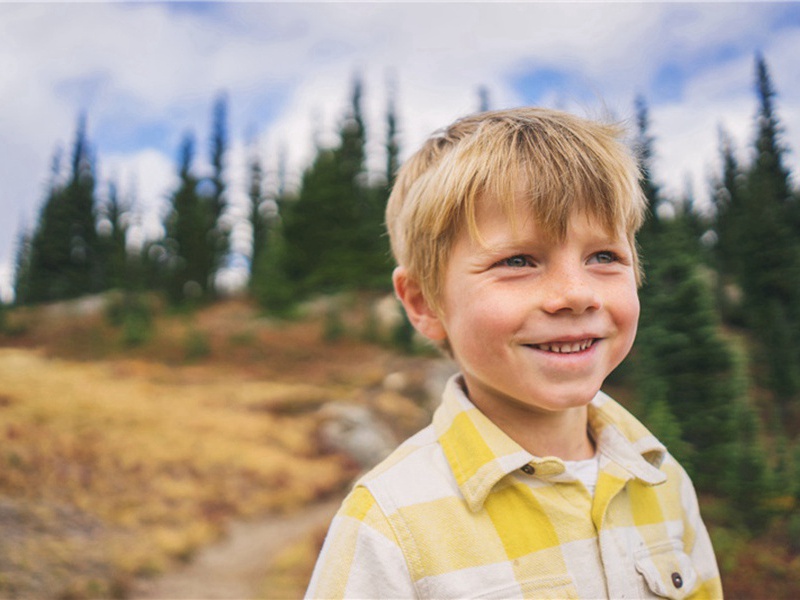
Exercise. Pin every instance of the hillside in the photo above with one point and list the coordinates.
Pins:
(121, 460)
(134, 453)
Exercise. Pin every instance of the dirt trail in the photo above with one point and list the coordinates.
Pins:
(236, 567)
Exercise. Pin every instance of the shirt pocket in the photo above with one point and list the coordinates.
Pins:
(667, 570)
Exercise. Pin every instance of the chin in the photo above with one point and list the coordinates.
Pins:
(574, 399)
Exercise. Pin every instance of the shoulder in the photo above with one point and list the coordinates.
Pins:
(416, 472)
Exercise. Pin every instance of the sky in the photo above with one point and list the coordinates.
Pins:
(146, 73)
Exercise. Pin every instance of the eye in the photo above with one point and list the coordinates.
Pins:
(517, 261)
(604, 257)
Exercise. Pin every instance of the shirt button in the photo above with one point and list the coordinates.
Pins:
(528, 469)
(677, 580)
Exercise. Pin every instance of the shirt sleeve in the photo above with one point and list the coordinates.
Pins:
(361, 557)
(698, 544)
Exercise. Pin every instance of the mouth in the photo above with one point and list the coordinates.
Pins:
(572, 347)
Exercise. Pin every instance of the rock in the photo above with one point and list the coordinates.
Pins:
(395, 382)
(388, 315)
(356, 431)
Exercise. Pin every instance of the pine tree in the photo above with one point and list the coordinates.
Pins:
(679, 340)
(197, 234)
(271, 286)
(64, 251)
(315, 225)
(657, 412)
(644, 147)
(403, 335)
(730, 226)
(49, 245)
(747, 478)
(218, 234)
(363, 259)
(113, 235)
(22, 269)
(351, 152)
(374, 243)
(682, 367)
(80, 194)
(392, 145)
(332, 232)
(651, 386)
(770, 252)
(186, 229)
(259, 222)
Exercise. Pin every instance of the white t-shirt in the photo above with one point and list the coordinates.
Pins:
(585, 471)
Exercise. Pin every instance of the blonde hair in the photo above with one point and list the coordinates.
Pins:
(564, 163)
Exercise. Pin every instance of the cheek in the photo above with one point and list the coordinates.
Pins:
(628, 315)
(478, 321)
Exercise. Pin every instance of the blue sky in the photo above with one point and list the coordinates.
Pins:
(145, 73)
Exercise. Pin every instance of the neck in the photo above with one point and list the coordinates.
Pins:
(563, 434)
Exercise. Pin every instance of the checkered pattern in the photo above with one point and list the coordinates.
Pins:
(452, 514)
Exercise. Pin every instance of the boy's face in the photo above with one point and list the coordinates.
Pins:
(534, 323)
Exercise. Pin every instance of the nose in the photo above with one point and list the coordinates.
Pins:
(569, 290)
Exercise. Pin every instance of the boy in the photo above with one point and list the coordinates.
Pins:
(513, 233)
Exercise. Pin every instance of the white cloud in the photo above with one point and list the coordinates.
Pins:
(287, 68)
(144, 177)
(687, 131)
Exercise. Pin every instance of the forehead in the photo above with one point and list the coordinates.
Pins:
(521, 213)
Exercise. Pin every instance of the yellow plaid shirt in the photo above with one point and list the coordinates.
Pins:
(462, 511)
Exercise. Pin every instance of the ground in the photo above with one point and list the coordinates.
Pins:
(202, 454)
(198, 460)
(242, 565)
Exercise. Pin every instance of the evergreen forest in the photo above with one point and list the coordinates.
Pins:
(715, 371)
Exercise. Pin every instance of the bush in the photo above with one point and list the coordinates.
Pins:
(134, 313)
(197, 345)
(137, 329)
(793, 530)
(334, 325)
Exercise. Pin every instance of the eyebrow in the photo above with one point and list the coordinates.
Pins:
(519, 244)
(515, 246)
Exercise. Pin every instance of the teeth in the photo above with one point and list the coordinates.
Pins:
(566, 347)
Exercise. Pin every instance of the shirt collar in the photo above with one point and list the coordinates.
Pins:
(623, 440)
(480, 454)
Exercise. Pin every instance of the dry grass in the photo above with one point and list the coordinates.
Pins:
(291, 570)
(116, 461)
(150, 469)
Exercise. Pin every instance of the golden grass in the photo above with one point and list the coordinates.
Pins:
(289, 574)
(159, 461)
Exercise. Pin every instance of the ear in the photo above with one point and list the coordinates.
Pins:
(422, 316)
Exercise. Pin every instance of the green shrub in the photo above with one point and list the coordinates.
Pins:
(793, 530)
(196, 345)
(137, 329)
(334, 325)
(134, 314)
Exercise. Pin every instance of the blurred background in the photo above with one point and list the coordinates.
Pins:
(199, 349)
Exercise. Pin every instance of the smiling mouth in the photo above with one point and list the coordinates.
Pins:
(565, 347)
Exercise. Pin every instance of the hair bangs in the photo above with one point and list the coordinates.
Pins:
(556, 174)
